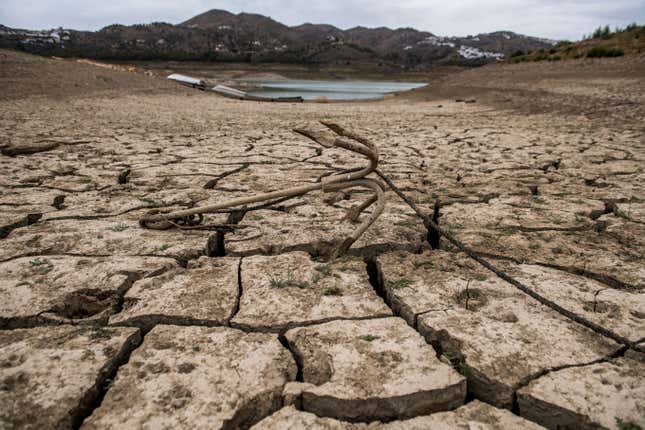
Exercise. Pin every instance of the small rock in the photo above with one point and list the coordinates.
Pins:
(292, 393)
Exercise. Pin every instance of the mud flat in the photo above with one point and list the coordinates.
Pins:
(475, 414)
(105, 324)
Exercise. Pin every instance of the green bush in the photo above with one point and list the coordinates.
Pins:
(517, 53)
(602, 32)
(603, 51)
(632, 26)
(626, 425)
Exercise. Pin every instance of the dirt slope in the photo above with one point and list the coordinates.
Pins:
(23, 75)
(606, 90)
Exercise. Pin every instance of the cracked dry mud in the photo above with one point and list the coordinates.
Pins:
(55, 289)
(612, 391)
(474, 415)
(204, 293)
(377, 369)
(49, 376)
(499, 336)
(289, 290)
(197, 377)
(104, 324)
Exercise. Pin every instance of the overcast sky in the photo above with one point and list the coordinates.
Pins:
(556, 19)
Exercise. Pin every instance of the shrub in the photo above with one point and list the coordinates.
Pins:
(626, 425)
(632, 26)
(606, 32)
(602, 32)
(603, 51)
(517, 53)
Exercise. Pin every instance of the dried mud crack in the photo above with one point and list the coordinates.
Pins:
(244, 321)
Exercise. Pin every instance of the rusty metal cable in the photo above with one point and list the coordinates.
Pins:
(356, 177)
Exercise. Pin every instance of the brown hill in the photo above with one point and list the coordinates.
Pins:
(210, 19)
(258, 26)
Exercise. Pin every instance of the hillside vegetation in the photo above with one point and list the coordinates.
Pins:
(601, 43)
(220, 36)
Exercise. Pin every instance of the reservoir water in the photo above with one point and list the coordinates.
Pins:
(330, 90)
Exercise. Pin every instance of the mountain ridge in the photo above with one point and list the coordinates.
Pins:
(219, 35)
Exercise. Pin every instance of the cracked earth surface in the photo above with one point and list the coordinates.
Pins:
(106, 325)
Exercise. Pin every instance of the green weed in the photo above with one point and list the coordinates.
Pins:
(368, 337)
(626, 425)
(400, 283)
(289, 282)
(333, 291)
(603, 51)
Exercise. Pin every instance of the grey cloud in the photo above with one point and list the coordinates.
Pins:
(557, 19)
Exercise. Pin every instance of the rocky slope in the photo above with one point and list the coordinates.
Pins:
(223, 36)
